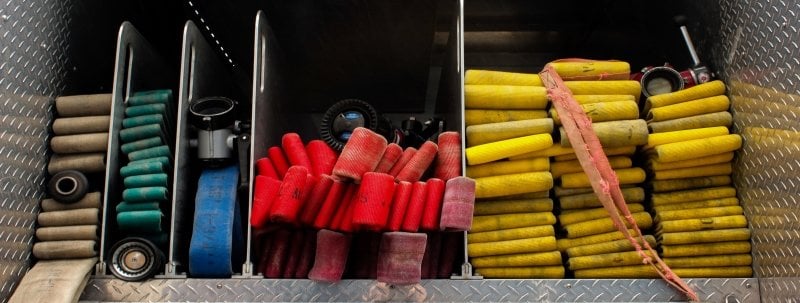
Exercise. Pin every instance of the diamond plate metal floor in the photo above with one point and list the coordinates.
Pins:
(264, 290)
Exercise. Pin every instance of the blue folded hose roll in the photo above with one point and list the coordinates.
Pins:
(217, 236)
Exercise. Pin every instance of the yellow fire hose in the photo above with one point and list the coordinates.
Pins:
(586, 99)
(693, 172)
(700, 121)
(713, 159)
(511, 234)
(504, 97)
(494, 151)
(631, 195)
(530, 245)
(591, 214)
(607, 111)
(696, 224)
(705, 236)
(606, 260)
(603, 225)
(696, 213)
(592, 70)
(487, 77)
(564, 192)
(690, 108)
(710, 261)
(573, 166)
(508, 167)
(612, 151)
(615, 133)
(506, 185)
(483, 116)
(531, 195)
(693, 195)
(493, 132)
(689, 183)
(705, 90)
(564, 244)
(607, 247)
(519, 260)
(697, 204)
(706, 249)
(620, 272)
(631, 175)
(552, 151)
(715, 272)
(506, 221)
(697, 148)
(685, 135)
(498, 207)
(613, 87)
(540, 272)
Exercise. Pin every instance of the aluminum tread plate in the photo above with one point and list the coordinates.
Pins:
(34, 37)
(266, 290)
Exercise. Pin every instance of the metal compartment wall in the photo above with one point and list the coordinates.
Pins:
(748, 42)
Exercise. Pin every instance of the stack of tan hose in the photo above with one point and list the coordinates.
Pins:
(594, 247)
(512, 232)
(700, 227)
(80, 133)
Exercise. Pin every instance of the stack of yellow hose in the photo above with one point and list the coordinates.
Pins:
(699, 225)
(594, 247)
(512, 233)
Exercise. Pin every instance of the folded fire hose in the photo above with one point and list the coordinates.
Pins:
(217, 234)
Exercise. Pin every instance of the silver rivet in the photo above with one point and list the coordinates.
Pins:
(568, 286)
(219, 286)
(748, 285)
(5, 17)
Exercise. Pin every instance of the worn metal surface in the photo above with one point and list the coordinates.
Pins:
(249, 290)
(33, 40)
(754, 47)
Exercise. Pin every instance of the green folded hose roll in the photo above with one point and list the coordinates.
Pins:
(147, 109)
(138, 206)
(159, 96)
(153, 152)
(143, 120)
(130, 147)
(145, 194)
(142, 168)
(150, 180)
(163, 160)
(137, 133)
(140, 222)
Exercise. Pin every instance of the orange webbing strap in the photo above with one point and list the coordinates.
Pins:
(604, 181)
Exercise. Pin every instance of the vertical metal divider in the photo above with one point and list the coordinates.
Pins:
(466, 267)
(137, 67)
(202, 74)
(267, 94)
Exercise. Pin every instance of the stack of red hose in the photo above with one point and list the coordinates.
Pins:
(372, 187)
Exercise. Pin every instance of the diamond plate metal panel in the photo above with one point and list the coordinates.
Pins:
(754, 46)
(262, 290)
(33, 41)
